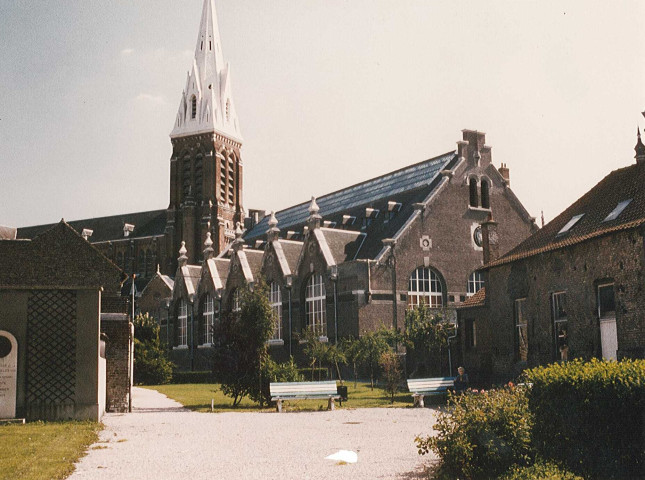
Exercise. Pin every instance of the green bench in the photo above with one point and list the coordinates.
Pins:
(303, 390)
(420, 387)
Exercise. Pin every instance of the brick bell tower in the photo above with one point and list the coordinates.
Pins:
(205, 166)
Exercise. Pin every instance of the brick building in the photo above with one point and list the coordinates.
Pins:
(572, 289)
(54, 292)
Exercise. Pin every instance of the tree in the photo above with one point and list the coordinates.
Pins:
(241, 345)
(350, 347)
(426, 332)
(151, 366)
(315, 350)
(392, 372)
(334, 357)
(370, 348)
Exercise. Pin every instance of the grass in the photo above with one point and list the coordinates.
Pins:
(44, 450)
(197, 397)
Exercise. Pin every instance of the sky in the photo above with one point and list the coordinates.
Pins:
(328, 93)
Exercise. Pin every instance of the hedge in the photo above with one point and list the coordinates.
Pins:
(539, 471)
(590, 416)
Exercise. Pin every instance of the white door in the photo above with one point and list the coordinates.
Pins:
(608, 338)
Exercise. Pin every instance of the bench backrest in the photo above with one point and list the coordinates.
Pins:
(292, 389)
(439, 384)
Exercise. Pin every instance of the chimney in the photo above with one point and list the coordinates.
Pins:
(504, 172)
(490, 240)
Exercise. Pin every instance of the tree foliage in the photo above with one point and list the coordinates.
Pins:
(426, 332)
(151, 366)
(369, 349)
(240, 347)
(392, 372)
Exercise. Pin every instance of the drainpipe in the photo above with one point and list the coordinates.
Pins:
(391, 242)
(449, 354)
(334, 279)
(288, 285)
(192, 335)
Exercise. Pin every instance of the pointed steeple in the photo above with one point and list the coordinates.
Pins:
(639, 148)
(207, 103)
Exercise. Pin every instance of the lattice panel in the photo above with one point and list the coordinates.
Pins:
(51, 348)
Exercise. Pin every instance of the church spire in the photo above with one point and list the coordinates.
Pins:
(207, 103)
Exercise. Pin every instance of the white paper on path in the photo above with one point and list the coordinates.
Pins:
(344, 456)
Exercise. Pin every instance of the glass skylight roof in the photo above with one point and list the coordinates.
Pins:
(570, 223)
(618, 210)
(414, 176)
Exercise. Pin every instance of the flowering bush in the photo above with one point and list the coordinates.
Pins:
(483, 434)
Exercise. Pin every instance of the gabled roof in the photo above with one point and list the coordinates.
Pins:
(476, 300)
(406, 186)
(58, 257)
(191, 275)
(594, 208)
(342, 245)
(152, 223)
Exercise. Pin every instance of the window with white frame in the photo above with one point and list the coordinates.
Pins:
(475, 282)
(236, 305)
(560, 326)
(209, 319)
(425, 289)
(521, 328)
(315, 299)
(275, 298)
(182, 324)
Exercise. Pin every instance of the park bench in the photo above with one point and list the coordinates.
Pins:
(420, 387)
(303, 390)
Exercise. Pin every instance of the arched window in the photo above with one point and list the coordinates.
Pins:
(193, 107)
(475, 282)
(425, 289)
(485, 193)
(315, 299)
(275, 299)
(182, 324)
(208, 315)
(473, 192)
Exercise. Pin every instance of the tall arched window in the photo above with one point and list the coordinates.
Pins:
(485, 193)
(473, 192)
(208, 315)
(182, 324)
(236, 305)
(475, 282)
(425, 289)
(193, 106)
(315, 299)
(275, 298)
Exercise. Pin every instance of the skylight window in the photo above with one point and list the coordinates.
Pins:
(618, 210)
(570, 224)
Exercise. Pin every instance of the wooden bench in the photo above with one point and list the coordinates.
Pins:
(303, 390)
(420, 387)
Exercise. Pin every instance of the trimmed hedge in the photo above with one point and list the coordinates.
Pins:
(192, 377)
(590, 416)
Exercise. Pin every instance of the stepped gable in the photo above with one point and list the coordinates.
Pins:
(595, 207)
(110, 228)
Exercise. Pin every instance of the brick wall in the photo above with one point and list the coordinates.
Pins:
(119, 332)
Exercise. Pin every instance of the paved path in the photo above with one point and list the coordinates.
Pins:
(162, 440)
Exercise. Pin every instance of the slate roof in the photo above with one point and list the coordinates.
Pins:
(408, 185)
(594, 206)
(344, 245)
(146, 224)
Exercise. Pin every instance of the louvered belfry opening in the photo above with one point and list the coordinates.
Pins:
(51, 354)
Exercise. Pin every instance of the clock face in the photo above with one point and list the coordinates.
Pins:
(477, 236)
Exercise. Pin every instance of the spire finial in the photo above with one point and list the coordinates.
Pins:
(639, 148)
(273, 222)
(273, 232)
(183, 259)
(208, 243)
(313, 206)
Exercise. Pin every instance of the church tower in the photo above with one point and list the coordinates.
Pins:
(205, 166)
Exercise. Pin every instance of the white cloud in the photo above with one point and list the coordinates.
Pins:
(146, 97)
(127, 51)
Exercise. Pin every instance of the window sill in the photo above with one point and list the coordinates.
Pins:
(275, 342)
(205, 345)
(180, 347)
(478, 209)
(322, 339)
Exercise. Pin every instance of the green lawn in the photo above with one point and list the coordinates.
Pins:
(197, 396)
(44, 450)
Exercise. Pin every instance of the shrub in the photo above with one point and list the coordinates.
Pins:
(276, 372)
(539, 471)
(589, 416)
(483, 435)
(392, 372)
(151, 367)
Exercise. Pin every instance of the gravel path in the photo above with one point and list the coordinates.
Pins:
(162, 440)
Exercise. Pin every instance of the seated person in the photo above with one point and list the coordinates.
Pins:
(461, 380)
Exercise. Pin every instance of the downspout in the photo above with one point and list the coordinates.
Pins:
(192, 335)
(288, 285)
(336, 311)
